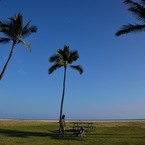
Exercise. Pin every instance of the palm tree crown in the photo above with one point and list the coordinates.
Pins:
(137, 9)
(63, 58)
(15, 31)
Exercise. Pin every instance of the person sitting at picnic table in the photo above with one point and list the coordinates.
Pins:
(81, 132)
(62, 124)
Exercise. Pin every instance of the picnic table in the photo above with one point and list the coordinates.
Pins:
(77, 125)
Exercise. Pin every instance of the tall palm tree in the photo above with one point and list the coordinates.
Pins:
(64, 58)
(13, 30)
(137, 9)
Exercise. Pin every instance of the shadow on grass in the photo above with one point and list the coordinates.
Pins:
(17, 133)
(52, 134)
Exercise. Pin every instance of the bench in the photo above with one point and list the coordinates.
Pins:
(77, 125)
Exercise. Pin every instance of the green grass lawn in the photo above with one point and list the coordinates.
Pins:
(24, 132)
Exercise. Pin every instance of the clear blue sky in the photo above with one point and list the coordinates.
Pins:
(113, 83)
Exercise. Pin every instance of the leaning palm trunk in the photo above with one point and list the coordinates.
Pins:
(63, 93)
(10, 55)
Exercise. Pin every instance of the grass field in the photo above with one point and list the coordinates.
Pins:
(26, 132)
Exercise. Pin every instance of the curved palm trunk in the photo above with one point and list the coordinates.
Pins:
(6, 64)
(63, 93)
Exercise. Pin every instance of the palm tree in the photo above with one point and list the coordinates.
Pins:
(64, 58)
(14, 31)
(137, 9)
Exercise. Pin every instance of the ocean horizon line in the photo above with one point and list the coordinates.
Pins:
(49, 119)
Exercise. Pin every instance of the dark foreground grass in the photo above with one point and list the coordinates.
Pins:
(23, 132)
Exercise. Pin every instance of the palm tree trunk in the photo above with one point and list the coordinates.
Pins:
(6, 64)
(63, 93)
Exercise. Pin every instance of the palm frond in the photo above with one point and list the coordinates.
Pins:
(129, 2)
(26, 26)
(53, 68)
(66, 51)
(28, 31)
(61, 62)
(137, 9)
(13, 19)
(130, 28)
(4, 40)
(17, 21)
(61, 53)
(78, 68)
(7, 29)
(26, 44)
(20, 22)
(54, 58)
(73, 56)
(139, 12)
